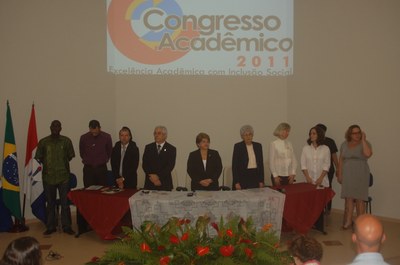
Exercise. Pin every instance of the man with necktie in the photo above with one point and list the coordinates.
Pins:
(159, 161)
(125, 160)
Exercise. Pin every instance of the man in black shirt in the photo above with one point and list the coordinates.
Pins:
(334, 160)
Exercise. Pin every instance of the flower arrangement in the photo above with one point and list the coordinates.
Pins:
(180, 242)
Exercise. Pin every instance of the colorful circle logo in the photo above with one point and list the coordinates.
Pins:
(136, 41)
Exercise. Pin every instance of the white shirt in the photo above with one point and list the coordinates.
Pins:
(369, 258)
(161, 144)
(316, 160)
(122, 148)
(282, 160)
(252, 157)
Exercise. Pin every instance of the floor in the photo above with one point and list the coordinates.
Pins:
(338, 248)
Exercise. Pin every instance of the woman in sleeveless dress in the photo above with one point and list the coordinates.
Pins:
(353, 172)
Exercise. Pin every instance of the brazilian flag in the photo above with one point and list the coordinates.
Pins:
(10, 178)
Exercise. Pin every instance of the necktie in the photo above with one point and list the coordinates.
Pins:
(158, 148)
(122, 159)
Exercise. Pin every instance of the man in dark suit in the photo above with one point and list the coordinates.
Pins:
(247, 162)
(159, 161)
(125, 160)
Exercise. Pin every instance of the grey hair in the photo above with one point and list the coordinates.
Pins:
(281, 127)
(162, 128)
(245, 129)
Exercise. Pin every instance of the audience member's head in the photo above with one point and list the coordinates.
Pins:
(304, 248)
(368, 234)
(22, 251)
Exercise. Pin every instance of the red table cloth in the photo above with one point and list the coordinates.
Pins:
(103, 212)
(303, 205)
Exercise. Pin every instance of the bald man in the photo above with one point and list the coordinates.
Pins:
(368, 236)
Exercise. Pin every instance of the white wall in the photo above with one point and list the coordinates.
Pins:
(52, 53)
(346, 71)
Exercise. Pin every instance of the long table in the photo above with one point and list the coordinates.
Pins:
(263, 205)
(103, 212)
(298, 205)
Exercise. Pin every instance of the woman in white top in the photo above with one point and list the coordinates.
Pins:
(282, 160)
(316, 158)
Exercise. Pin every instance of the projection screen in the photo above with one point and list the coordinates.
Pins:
(206, 37)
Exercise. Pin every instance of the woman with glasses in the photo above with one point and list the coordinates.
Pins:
(353, 172)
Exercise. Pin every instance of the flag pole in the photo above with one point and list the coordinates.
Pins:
(24, 202)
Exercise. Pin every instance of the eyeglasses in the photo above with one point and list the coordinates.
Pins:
(359, 132)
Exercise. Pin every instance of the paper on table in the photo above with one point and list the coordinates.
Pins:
(112, 191)
(94, 187)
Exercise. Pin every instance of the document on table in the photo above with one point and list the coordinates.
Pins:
(94, 187)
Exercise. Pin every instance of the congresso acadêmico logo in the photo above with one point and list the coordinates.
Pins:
(137, 42)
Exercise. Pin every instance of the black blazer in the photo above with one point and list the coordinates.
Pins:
(240, 161)
(129, 165)
(161, 164)
(195, 169)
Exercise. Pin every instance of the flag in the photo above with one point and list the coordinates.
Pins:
(10, 178)
(33, 186)
(5, 216)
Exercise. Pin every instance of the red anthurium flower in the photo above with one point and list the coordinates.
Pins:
(201, 251)
(174, 239)
(229, 232)
(215, 226)
(161, 248)
(246, 241)
(165, 260)
(226, 251)
(185, 236)
(249, 252)
(184, 221)
(144, 247)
